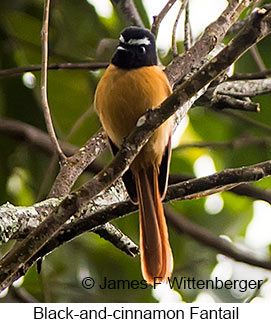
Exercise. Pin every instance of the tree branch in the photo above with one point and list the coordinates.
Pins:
(66, 178)
(213, 35)
(188, 40)
(266, 128)
(236, 94)
(251, 76)
(241, 89)
(221, 102)
(99, 213)
(236, 143)
(44, 99)
(32, 136)
(77, 163)
(21, 220)
(257, 58)
(118, 239)
(247, 190)
(181, 188)
(158, 19)
(38, 139)
(224, 180)
(253, 192)
(129, 11)
(173, 38)
(55, 66)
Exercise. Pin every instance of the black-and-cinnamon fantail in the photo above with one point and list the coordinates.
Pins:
(132, 84)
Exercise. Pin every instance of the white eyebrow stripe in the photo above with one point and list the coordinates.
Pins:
(134, 41)
(141, 41)
(121, 39)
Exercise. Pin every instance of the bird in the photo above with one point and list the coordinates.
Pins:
(132, 84)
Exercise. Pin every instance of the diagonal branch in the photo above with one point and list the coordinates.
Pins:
(129, 11)
(80, 160)
(213, 35)
(158, 19)
(77, 163)
(257, 58)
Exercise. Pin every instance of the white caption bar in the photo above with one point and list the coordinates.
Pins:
(164, 312)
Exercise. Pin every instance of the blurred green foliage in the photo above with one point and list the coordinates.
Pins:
(26, 174)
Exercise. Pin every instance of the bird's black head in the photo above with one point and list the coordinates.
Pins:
(136, 49)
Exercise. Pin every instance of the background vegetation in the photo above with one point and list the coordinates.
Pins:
(27, 173)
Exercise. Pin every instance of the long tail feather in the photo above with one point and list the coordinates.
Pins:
(167, 258)
(156, 256)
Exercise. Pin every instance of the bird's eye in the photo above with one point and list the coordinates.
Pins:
(142, 49)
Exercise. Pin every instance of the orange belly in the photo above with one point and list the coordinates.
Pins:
(121, 99)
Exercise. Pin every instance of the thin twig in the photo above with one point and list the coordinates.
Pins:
(45, 184)
(54, 66)
(237, 143)
(245, 119)
(118, 239)
(173, 38)
(253, 192)
(222, 102)
(20, 295)
(250, 76)
(79, 122)
(212, 36)
(158, 19)
(257, 58)
(44, 99)
(247, 190)
(188, 40)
